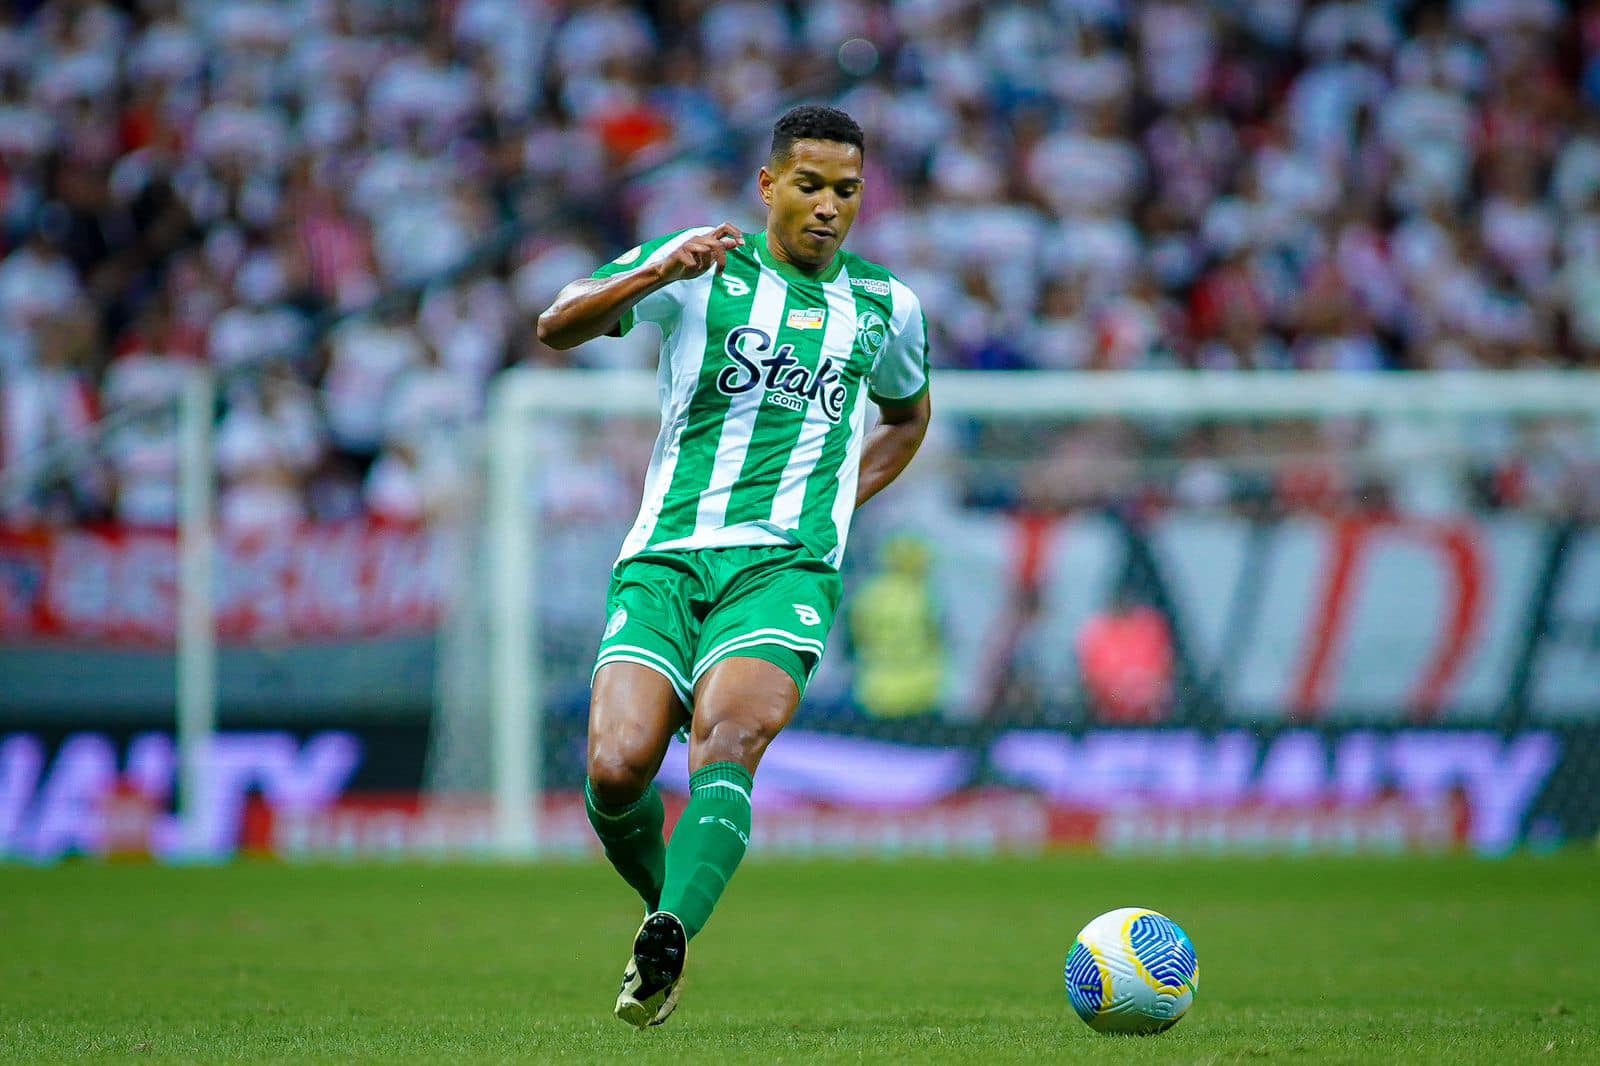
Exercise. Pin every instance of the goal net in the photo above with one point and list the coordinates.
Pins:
(1142, 611)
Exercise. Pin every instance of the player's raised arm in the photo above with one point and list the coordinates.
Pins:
(592, 307)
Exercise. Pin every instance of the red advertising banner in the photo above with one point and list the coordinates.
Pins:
(120, 586)
(979, 822)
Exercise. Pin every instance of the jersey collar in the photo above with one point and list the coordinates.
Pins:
(790, 272)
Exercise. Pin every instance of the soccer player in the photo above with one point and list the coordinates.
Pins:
(722, 597)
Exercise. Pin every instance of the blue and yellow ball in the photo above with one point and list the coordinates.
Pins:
(1132, 970)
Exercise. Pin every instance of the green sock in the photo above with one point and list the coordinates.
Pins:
(632, 838)
(708, 842)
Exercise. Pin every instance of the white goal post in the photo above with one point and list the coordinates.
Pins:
(197, 629)
(521, 396)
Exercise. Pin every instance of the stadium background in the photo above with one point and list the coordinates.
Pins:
(1283, 636)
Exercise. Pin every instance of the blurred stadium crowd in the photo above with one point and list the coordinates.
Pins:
(1357, 185)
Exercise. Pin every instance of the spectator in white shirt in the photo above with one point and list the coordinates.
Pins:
(366, 356)
(260, 328)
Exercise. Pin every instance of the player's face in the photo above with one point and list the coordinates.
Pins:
(812, 198)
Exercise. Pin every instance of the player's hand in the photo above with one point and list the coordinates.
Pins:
(699, 254)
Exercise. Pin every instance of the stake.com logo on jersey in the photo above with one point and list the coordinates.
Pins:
(788, 384)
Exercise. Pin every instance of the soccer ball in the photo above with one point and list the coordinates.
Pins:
(1132, 971)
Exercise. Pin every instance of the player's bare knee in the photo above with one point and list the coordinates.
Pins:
(734, 741)
(618, 775)
(739, 738)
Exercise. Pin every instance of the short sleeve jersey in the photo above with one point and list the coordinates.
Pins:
(764, 379)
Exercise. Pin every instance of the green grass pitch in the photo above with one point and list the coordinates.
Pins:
(1434, 960)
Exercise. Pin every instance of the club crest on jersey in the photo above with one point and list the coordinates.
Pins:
(807, 317)
(872, 332)
(787, 383)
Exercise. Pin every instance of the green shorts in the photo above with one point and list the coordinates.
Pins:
(682, 612)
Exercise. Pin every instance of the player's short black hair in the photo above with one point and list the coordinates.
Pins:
(814, 122)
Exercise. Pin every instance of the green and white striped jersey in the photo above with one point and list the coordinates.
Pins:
(764, 378)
